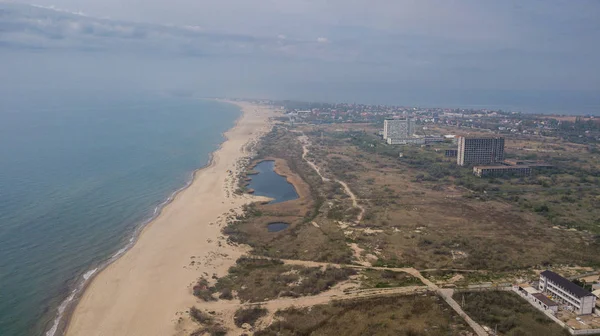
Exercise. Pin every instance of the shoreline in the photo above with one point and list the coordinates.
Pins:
(68, 305)
(74, 300)
(62, 320)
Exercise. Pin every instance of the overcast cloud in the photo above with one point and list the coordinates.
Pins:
(468, 44)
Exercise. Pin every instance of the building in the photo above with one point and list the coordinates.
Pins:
(405, 141)
(535, 297)
(398, 128)
(433, 139)
(492, 171)
(473, 150)
(545, 302)
(450, 137)
(597, 294)
(564, 291)
(531, 164)
(451, 153)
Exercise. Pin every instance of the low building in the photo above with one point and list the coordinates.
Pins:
(405, 141)
(451, 152)
(432, 139)
(492, 171)
(535, 297)
(564, 291)
(545, 302)
(531, 164)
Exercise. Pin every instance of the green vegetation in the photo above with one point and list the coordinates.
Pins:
(249, 315)
(372, 278)
(511, 314)
(258, 279)
(200, 316)
(209, 325)
(203, 290)
(302, 240)
(431, 213)
(211, 330)
(392, 315)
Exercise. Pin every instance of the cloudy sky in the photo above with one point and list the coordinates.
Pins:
(275, 47)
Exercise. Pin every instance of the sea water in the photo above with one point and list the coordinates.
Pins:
(79, 175)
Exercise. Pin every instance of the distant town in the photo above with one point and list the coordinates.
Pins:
(578, 129)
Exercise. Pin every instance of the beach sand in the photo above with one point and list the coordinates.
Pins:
(148, 289)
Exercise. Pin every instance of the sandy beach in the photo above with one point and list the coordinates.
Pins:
(149, 288)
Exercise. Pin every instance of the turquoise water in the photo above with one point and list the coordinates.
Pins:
(270, 184)
(78, 175)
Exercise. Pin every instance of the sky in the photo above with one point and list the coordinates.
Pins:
(288, 48)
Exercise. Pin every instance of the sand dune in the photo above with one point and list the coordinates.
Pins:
(147, 289)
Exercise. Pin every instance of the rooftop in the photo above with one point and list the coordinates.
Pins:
(566, 284)
(545, 300)
(500, 167)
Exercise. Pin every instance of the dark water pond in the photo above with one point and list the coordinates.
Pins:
(276, 227)
(270, 184)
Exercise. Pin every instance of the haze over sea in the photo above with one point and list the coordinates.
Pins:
(79, 174)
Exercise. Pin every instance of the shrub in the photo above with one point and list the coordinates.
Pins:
(226, 294)
(200, 316)
(204, 291)
(212, 330)
(249, 315)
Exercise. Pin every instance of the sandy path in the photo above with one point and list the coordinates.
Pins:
(305, 151)
(444, 293)
(142, 292)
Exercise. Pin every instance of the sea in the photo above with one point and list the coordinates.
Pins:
(80, 175)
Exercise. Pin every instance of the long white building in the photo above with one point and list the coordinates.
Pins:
(564, 291)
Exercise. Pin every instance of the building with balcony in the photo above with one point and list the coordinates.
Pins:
(493, 171)
(475, 150)
(398, 128)
(565, 292)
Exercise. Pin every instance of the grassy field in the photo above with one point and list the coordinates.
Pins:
(429, 213)
(257, 280)
(509, 313)
(394, 315)
(372, 278)
(422, 210)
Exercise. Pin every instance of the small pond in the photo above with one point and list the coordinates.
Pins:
(276, 227)
(270, 184)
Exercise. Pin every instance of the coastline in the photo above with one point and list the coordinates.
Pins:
(94, 312)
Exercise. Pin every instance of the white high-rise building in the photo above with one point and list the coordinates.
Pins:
(398, 129)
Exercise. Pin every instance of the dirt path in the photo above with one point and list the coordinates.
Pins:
(446, 294)
(305, 151)
(343, 291)
(305, 143)
(339, 292)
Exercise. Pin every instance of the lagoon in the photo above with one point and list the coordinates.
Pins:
(270, 184)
